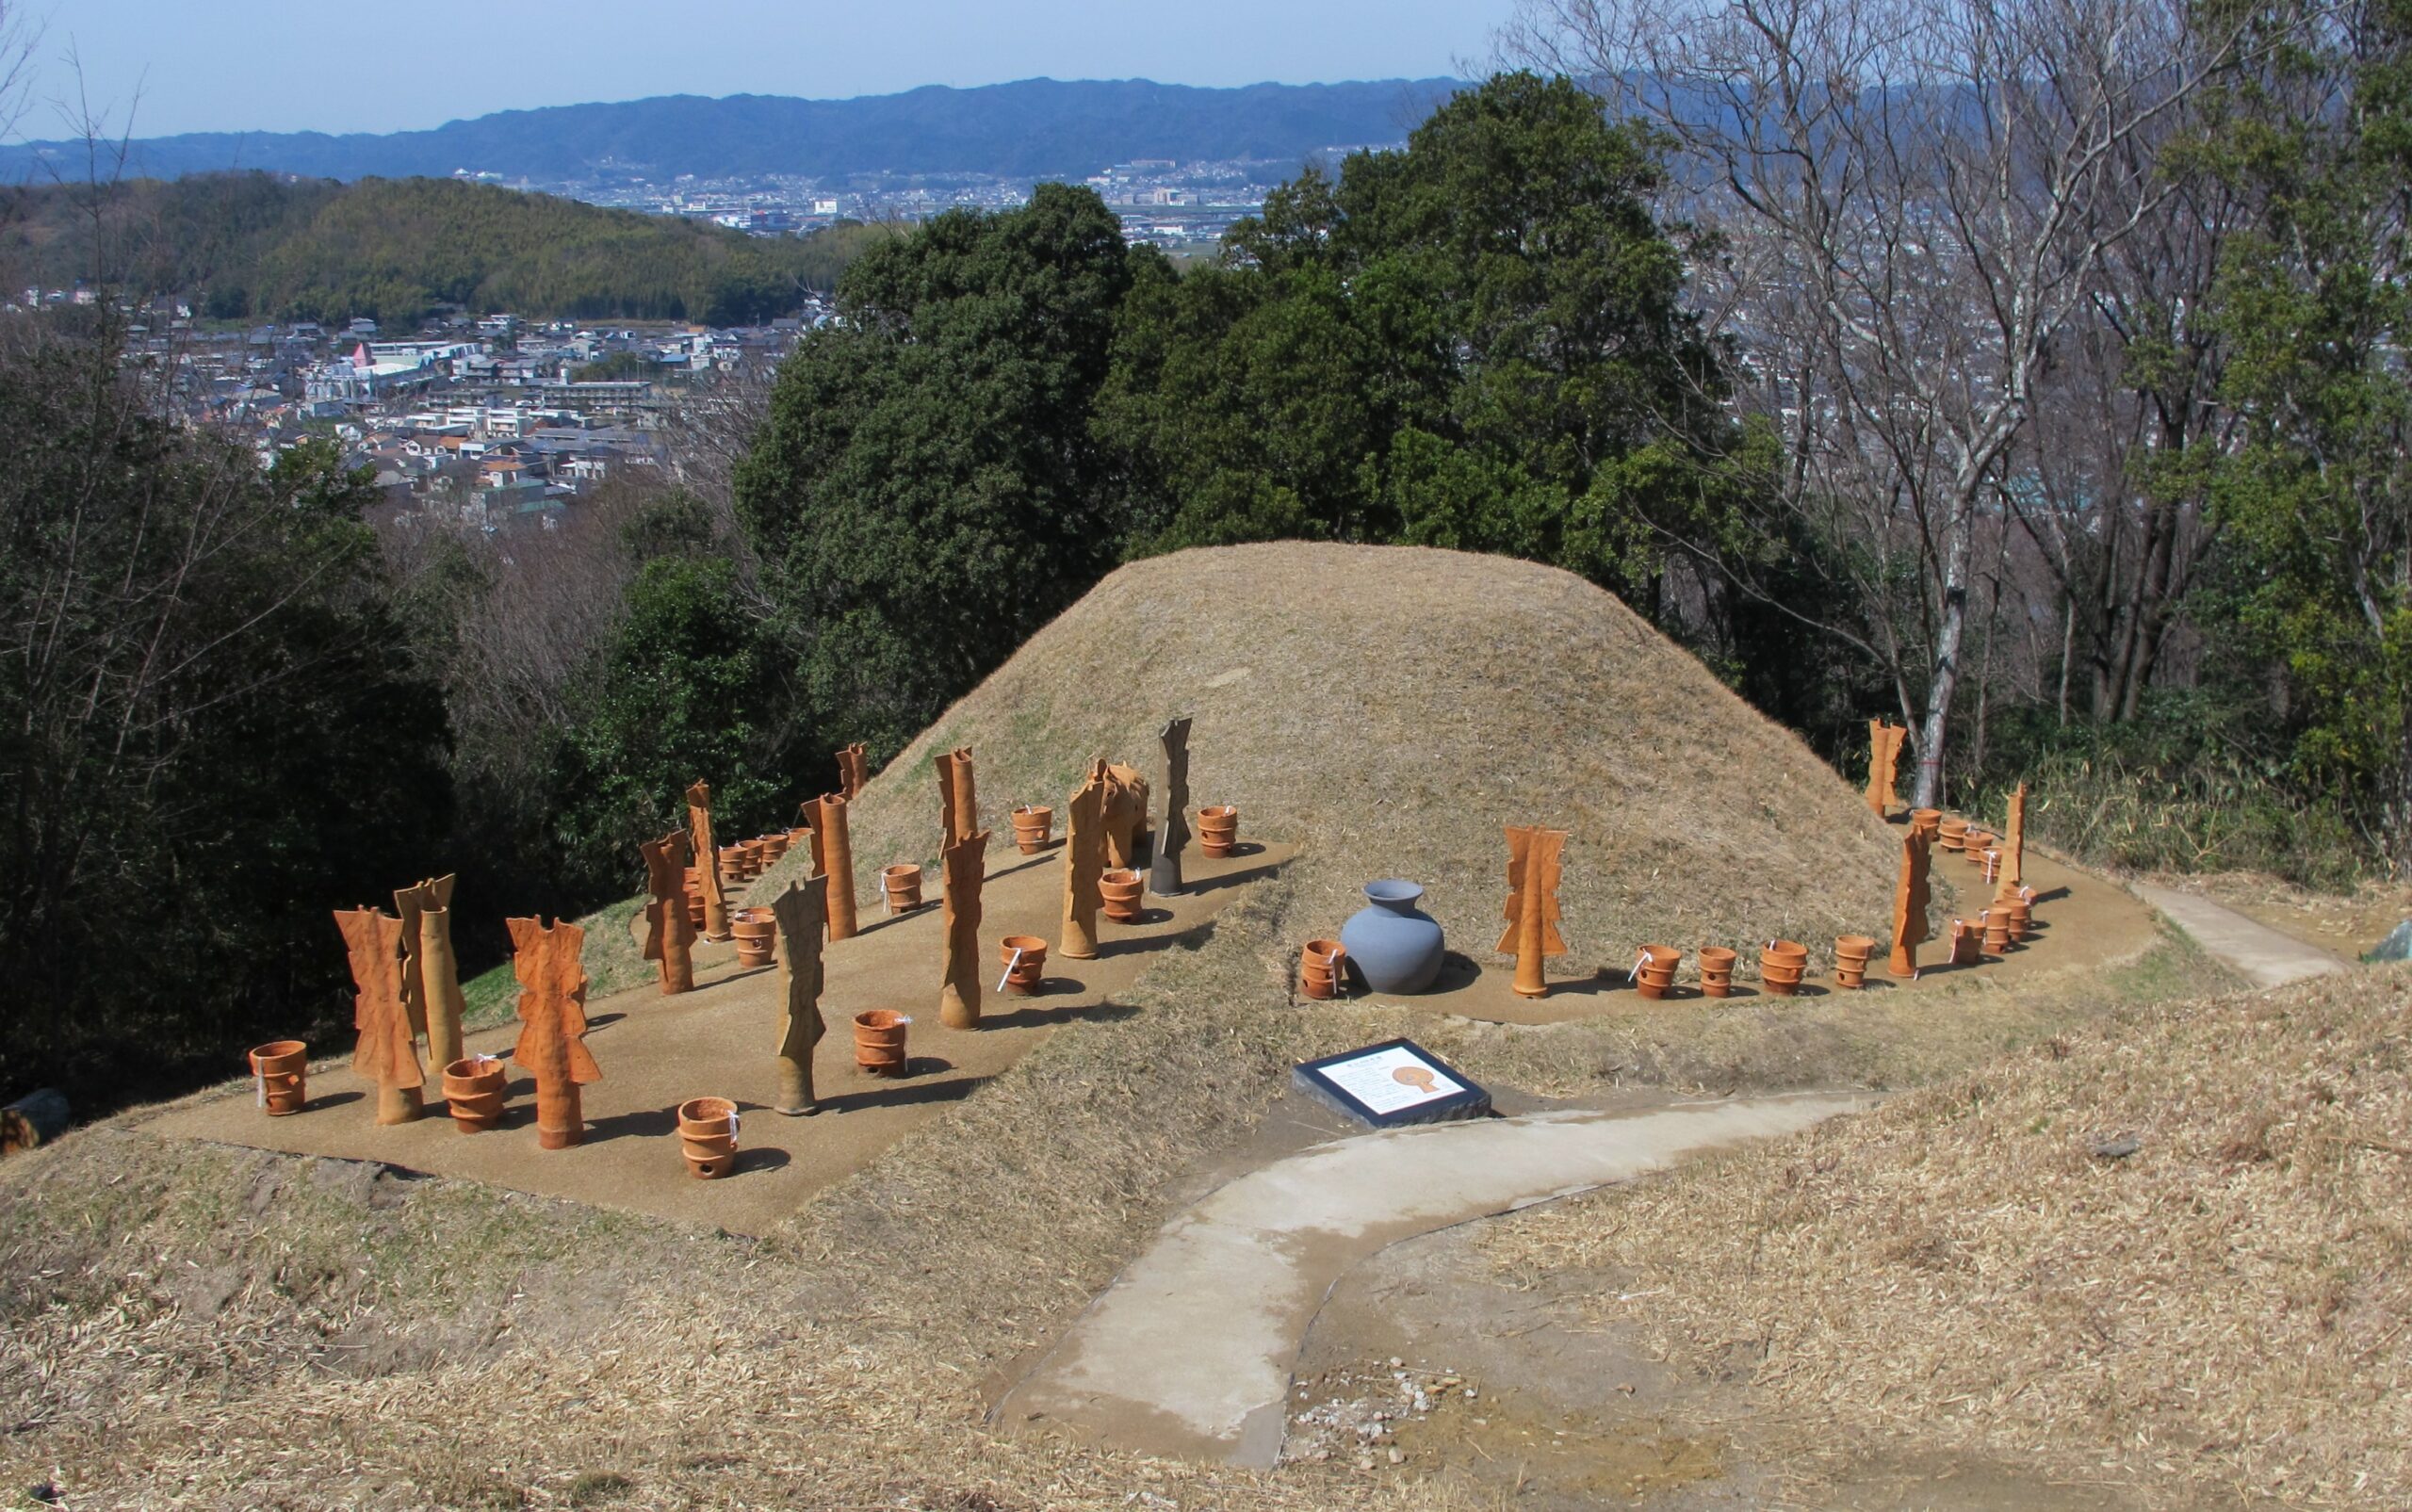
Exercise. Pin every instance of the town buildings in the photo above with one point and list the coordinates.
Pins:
(490, 421)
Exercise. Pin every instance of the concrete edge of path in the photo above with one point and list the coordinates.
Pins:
(2263, 956)
(1190, 1349)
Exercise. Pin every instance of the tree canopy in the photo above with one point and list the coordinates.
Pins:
(926, 491)
(1480, 342)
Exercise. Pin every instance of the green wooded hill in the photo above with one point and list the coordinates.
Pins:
(257, 246)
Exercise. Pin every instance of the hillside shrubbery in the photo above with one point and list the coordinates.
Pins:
(211, 733)
(253, 247)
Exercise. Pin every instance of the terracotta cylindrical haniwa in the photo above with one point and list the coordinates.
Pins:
(1024, 958)
(902, 884)
(1654, 969)
(1996, 926)
(1123, 893)
(1850, 960)
(1218, 829)
(473, 1090)
(1968, 940)
(1928, 819)
(707, 1118)
(836, 856)
(1716, 971)
(280, 1068)
(1320, 965)
(2018, 919)
(879, 1041)
(774, 845)
(1781, 964)
(757, 933)
(1951, 832)
(1975, 843)
(1034, 827)
(707, 1136)
(561, 1117)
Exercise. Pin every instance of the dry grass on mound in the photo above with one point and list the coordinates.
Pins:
(1391, 708)
(1023, 1202)
(201, 1326)
(2224, 1313)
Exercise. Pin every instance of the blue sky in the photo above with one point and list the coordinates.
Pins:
(178, 65)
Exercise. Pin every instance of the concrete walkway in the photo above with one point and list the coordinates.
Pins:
(1190, 1350)
(2268, 958)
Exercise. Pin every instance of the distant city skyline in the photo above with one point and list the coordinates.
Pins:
(163, 67)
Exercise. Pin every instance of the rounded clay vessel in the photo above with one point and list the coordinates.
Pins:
(1395, 945)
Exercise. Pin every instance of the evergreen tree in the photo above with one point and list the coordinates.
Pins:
(926, 493)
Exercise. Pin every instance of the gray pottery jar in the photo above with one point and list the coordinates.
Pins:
(1394, 944)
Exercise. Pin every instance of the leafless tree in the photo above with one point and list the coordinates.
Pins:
(1920, 197)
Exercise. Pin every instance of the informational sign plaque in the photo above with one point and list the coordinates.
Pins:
(1396, 1083)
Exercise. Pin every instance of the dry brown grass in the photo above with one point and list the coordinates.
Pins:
(2346, 923)
(201, 1326)
(2224, 1314)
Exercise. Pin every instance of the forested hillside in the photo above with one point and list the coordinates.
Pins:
(1029, 127)
(255, 245)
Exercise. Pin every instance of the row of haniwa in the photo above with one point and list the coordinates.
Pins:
(1533, 912)
(408, 992)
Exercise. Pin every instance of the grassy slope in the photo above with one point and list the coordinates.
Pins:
(2224, 1314)
(159, 1323)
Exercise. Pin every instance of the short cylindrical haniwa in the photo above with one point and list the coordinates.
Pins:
(281, 1068)
(707, 1136)
(1320, 968)
(879, 1041)
(1716, 971)
(1852, 952)
(1968, 940)
(757, 935)
(473, 1092)
(901, 883)
(1781, 964)
(1654, 969)
(1024, 958)
(1034, 828)
(1123, 894)
(2017, 918)
(1218, 829)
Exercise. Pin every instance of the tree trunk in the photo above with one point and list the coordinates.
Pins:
(2147, 612)
(1944, 677)
(2400, 822)
(2068, 653)
(2107, 655)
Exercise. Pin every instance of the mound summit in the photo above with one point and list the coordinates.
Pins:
(1390, 709)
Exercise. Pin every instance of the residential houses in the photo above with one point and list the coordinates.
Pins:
(489, 420)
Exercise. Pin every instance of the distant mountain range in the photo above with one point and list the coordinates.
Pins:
(1036, 128)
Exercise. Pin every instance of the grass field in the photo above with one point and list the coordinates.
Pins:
(2218, 1316)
